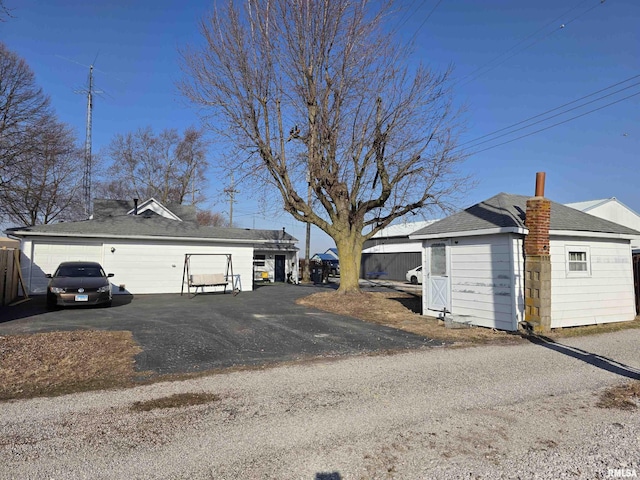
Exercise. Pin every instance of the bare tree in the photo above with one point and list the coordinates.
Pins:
(22, 106)
(46, 178)
(208, 218)
(319, 86)
(167, 166)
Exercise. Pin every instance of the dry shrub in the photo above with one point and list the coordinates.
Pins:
(623, 397)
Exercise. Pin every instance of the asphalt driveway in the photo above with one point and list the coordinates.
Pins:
(179, 334)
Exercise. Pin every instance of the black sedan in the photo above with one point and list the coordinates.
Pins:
(79, 283)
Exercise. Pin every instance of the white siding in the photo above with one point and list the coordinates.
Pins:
(604, 295)
(517, 254)
(144, 267)
(140, 266)
(614, 211)
(483, 282)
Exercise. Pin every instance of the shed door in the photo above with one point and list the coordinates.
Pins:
(47, 257)
(438, 286)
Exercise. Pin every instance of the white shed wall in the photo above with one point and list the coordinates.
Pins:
(485, 282)
(604, 295)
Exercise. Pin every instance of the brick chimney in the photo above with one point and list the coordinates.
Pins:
(537, 220)
(537, 266)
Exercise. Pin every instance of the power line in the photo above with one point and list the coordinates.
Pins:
(408, 13)
(510, 127)
(554, 125)
(562, 26)
(413, 37)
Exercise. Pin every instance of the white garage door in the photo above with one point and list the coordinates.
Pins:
(47, 257)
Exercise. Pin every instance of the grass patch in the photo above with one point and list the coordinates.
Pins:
(57, 363)
(402, 311)
(623, 397)
(594, 329)
(175, 401)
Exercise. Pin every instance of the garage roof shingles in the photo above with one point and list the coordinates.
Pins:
(508, 211)
(150, 224)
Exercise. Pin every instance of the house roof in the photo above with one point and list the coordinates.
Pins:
(325, 257)
(506, 213)
(111, 220)
(589, 204)
(402, 229)
(109, 208)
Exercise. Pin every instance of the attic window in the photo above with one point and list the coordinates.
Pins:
(578, 261)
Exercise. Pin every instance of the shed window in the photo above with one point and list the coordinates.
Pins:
(259, 260)
(578, 261)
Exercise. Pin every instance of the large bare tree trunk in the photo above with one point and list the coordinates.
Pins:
(350, 252)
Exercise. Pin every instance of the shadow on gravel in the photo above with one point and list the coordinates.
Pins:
(598, 361)
(328, 476)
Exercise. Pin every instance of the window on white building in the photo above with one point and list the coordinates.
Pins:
(578, 261)
(259, 260)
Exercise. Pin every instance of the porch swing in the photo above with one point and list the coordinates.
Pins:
(203, 280)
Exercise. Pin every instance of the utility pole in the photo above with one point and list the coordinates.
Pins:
(231, 191)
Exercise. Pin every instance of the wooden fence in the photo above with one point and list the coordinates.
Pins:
(9, 274)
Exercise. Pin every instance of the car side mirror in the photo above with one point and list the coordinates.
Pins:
(48, 275)
(110, 275)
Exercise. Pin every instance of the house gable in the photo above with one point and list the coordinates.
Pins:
(155, 206)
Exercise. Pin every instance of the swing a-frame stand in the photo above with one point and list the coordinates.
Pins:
(208, 279)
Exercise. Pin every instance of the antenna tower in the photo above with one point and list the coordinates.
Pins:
(86, 179)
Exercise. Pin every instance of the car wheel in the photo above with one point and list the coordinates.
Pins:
(414, 279)
(107, 304)
(51, 305)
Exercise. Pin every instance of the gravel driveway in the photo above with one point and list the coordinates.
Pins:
(524, 411)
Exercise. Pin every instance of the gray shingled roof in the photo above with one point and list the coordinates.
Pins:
(109, 208)
(508, 211)
(150, 224)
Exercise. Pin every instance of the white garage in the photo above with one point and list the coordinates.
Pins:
(145, 247)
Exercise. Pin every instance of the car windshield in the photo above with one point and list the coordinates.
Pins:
(79, 272)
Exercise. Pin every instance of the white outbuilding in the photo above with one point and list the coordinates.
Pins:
(474, 266)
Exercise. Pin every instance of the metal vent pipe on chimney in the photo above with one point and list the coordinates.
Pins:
(540, 176)
(135, 206)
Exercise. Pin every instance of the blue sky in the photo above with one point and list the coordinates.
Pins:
(512, 61)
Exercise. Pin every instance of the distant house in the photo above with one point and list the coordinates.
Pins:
(390, 253)
(613, 210)
(145, 246)
(480, 265)
(328, 258)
